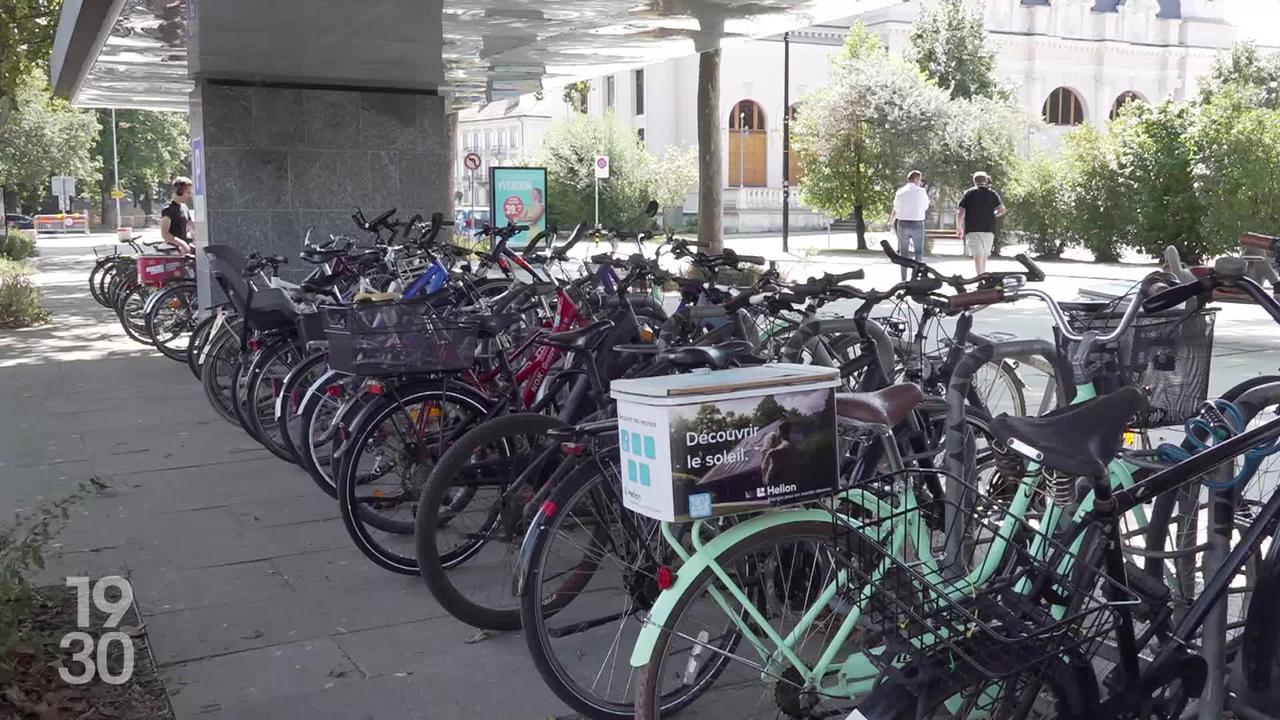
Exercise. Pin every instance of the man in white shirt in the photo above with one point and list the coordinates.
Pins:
(910, 204)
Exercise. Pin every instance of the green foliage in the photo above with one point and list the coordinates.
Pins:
(860, 44)
(153, 147)
(976, 134)
(18, 244)
(857, 136)
(674, 175)
(1037, 202)
(26, 39)
(22, 552)
(1099, 214)
(19, 301)
(44, 136)
(1156, 148)
(568, 152)
(575, 95)
(949, 44)
(1246, 71)
(1238, 153)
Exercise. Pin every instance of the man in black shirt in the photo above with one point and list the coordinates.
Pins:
(976, 219)
(175, 219)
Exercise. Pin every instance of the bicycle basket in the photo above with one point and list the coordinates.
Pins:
(395, 338)
(1167, 355)
(156, 270)
(989, 612)
(311, 328)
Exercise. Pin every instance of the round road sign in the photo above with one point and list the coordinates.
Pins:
(471, 161)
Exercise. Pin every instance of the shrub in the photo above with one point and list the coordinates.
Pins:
(19, 300)
(18, 244)
(1098, 213)
(1037, 206)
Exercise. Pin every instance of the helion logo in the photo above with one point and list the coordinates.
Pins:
(640, 448)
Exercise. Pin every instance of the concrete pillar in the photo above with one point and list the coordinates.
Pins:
(272, 161)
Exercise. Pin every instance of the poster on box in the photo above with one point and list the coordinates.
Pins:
(730, 456)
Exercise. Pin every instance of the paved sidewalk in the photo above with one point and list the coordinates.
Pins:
(256, 602)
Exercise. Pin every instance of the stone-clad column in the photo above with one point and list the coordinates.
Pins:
(276, 160)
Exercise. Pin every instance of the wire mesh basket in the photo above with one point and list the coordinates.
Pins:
(1010, 599)
(1167, 355)
(397, 337)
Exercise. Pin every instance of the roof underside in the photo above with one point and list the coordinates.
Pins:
(144, 53)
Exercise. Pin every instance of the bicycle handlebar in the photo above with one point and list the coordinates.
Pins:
(1259, 241)
(977, 298)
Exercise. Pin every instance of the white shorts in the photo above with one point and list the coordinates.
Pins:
(978, 244)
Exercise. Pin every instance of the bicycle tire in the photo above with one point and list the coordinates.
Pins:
(97, 287)
(288, 355)
(224, 349)
(184, 293)
(292, 392)
(535, 614)
(199, 336)
(130, 311)
(318, 414)
(358, 515)
(434, 564)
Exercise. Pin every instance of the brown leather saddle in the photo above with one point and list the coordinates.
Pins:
(889, 406)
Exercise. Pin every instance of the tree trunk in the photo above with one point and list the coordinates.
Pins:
(710, 153)
(860, 227)
(4, 224)
(109, 220)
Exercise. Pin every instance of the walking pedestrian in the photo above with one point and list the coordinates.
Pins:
(976, 219)
(175, 219)
(910, 203)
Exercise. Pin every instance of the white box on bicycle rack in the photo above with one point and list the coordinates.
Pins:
(727, 441)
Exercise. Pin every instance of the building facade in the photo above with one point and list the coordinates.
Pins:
(503, 132)
(1069, 61)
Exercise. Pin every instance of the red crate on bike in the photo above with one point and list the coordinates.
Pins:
(156, 270)
(728, 441)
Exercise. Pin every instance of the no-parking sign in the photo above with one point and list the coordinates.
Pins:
(471, 161)
(602, 167)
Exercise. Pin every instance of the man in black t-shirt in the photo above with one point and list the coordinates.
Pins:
(175, 219)
(976, 219)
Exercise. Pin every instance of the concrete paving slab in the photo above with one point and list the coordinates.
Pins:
(204, 686)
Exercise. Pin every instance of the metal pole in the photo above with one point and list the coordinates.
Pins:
(597, 201)
(742, 148)
(786, 142)
(115, 163)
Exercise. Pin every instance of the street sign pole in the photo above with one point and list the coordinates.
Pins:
(601, 170)
(115, 163)
(597, 202)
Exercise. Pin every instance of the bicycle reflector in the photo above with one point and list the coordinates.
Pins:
(253, 345)
(548, 508)
(666, 577)
(572, 448)
(373, 388)
(333, 391)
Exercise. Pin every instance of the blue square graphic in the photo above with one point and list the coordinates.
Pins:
(625, 438)
(700, 505)
(644, 474)
(649, 450)
(631, 471)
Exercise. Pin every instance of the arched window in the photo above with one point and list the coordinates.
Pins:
(1125, 98)
(795, 173)
(748, 145)
(1063, 107)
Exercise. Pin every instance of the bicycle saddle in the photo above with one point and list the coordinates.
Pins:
(1078, 439)
(716, 357)
(581, 340)
(491, 326)
(888, 406)
(316, 256)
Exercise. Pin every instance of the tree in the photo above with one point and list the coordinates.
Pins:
(1238, 146)
(674, 175)
(949, 44)
(41, 137)
(1247, 71)
(857, 136)
(1156, 157)
(710, 153)
(568, 152)
(1099, 214)
(1037, 203)
(26, 39)
(153, 147)
(575, 95)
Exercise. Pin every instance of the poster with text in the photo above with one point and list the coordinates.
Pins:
(519, 195)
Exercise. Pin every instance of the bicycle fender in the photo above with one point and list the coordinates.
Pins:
(279, 412)
(667, 601)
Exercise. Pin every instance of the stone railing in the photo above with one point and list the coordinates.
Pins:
(759, 198)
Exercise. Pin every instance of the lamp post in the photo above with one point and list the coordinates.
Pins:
(115, 165)
(786, 141)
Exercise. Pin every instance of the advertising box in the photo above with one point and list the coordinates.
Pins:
(727, 441)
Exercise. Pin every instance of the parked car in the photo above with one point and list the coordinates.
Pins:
(22, 222)
(471, 219)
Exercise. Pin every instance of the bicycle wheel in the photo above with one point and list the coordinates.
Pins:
(131, 310)
(589, 580)
(171, 320)
(778, 572)
(319, 411)
(382, 468)
(289, 402)
(217, 373)
(199, 338)
(1000, 389)
(473, 514)
(265, 385)
(98, 277)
